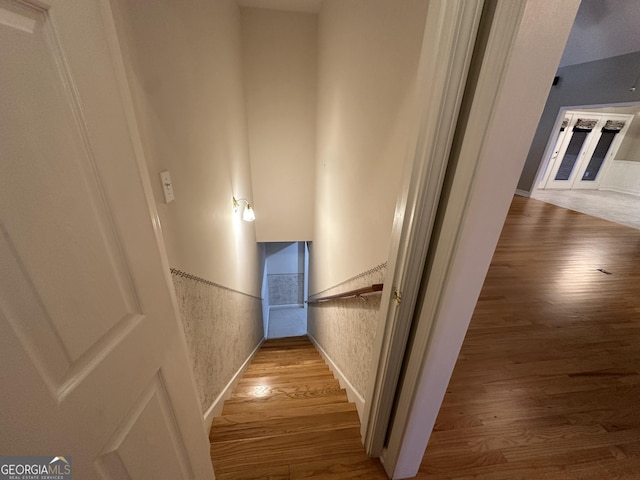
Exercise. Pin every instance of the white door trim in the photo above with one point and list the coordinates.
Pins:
(586, 151)
(545, 163)
(447, 48)
(525, 44)
(578, 183)
(557, 145)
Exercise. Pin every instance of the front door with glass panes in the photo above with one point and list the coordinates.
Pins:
(585, 143)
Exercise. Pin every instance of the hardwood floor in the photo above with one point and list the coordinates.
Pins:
(547, 385)
(289, 419)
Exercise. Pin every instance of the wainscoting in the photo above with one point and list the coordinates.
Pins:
(224, 329)
(622, 176)
(344, 330)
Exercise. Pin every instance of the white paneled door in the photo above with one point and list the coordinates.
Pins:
(586, 142)
(93, 363)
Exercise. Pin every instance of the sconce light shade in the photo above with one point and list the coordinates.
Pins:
(248, 215)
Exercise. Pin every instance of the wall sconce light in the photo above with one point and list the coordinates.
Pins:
(248, 215)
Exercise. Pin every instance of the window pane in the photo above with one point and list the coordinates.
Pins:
(571, 155)
(599, 154)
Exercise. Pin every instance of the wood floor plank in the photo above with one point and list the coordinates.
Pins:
(283, 449)
(288, 389)
(547, 384)
(286, 426)
(346, 467)
(282, 414)
(275, 403)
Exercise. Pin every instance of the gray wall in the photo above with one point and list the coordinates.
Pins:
(591, 83)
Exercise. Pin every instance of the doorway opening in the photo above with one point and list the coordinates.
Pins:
(285, 289)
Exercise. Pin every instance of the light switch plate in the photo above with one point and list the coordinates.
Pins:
(167, 186)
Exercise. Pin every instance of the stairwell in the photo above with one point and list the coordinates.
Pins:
(288, 418)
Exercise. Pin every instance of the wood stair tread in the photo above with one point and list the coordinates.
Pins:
(289, 418)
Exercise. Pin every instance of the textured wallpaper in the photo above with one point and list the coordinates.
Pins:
(286, 288)
(222, 327)
(346, 328)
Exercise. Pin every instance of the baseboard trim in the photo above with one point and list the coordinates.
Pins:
(352, 393)
(523, 193)
(216, 407)
(635, 193)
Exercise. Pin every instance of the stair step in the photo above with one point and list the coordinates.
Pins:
(288, 416)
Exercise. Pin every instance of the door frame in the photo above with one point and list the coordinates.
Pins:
(448, 43)
(578, 183)
(525, 43)
(586, 150)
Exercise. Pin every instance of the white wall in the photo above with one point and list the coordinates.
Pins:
(630, 147)
(184, 66)
(368, 52)
(280, 73)
(185, 70)
(622, 176)
(368, 56)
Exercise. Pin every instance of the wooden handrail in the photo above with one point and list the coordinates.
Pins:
(376, 287)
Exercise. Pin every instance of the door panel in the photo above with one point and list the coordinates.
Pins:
(599, 154)
(563, 136)
(150, 418)
(604, 146)
(94, 359)
(571, 155)
(64, 262)
(580, 158)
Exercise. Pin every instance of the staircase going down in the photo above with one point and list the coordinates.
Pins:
(288, 418)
